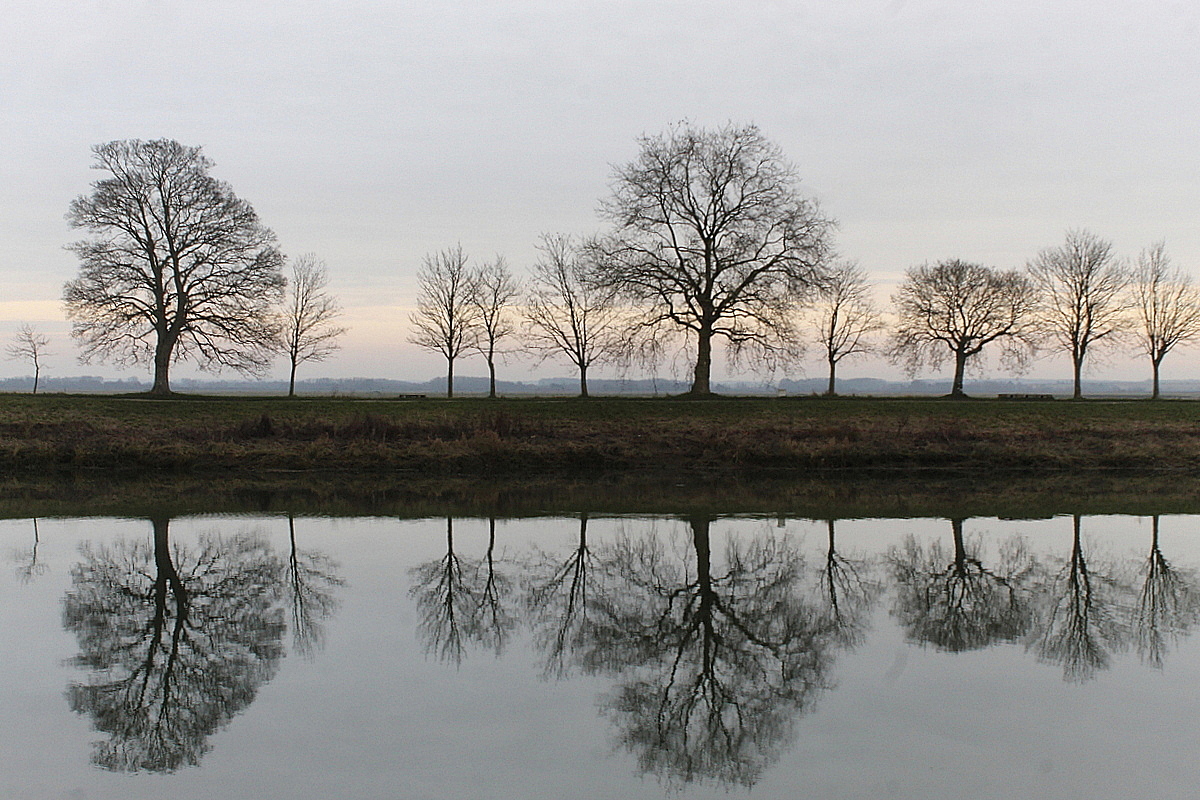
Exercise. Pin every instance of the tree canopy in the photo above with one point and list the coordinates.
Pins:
(176, 266)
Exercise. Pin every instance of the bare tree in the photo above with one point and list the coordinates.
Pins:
(29, 345)
(567, 313)
(495, 290)
(956, 308)
(1082, 286)
(713, 240)
(177, 265)
(845, 316)
(307, 331)
(446, 319)
(1166, 305)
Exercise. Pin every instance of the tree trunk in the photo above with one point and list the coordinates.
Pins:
(1153, 395)
(583, 381)
(162, 369)
(960, 368)
(292, 380)
(449, 377)
(37, 372)
(1077, 364)
(700, 379)
(491, 378)
(832, 371)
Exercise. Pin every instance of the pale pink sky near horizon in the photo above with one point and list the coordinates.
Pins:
(372, 133)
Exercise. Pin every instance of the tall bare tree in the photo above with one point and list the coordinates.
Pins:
(1166, 305)
(447, 317)
(1082, 285)
(177, 266)
(956, 308)
(567, 313)
(29, 345)
(845, 316)
(713, 241)
(307, 331)
(495, 291)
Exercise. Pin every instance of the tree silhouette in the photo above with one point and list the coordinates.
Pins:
(177, 641)
(309, 592)
(1167, 606)
(712, 667)
(953, 602)
(558, 597)
(1082, 623)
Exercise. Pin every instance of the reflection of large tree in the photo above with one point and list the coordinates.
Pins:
(1167, 605)
(713, 666)
(309, 591)
(950, 600)
(559, 593)
(460, 600)
(1082, 623)
(177, 640)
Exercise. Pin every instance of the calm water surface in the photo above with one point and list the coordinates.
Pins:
(240, 657)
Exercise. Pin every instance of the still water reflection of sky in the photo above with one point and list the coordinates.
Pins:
(540, 658)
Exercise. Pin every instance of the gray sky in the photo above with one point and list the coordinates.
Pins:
(372, 133)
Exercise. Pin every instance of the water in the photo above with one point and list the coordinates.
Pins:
(235, 657)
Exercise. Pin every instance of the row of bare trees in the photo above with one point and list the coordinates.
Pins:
(709, 240)
(1076, 298)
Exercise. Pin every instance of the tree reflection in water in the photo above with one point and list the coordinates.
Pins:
(1167, 605)
(559, 594)
(1082, 621)
(309, 591)
(459, 601)
(847, 592)
(29, 566)
(953, 602)
(712, 668)
(178, 640)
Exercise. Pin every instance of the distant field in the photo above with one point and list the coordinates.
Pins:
(565, 437)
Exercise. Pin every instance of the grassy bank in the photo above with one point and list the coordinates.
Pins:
(536, 437)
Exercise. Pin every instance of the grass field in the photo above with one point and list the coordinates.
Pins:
(571, 437)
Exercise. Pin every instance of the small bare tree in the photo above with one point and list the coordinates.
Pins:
(29, 345)
(845, 316)
(447, 317)
(495, 290)
(956, 308)
(566, 313)
(307, 331)
(1166, 305)
(1082, 286)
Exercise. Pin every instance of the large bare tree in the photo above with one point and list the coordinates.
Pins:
(567, 313)
(177, 266)
(446, 319)
(845, 316)
(1166, 305)
(1082, 286)
(712, 241)
(495, 291)
(29, 345)
(307, 331)
(955, 309)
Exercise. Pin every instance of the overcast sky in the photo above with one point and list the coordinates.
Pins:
(372, 133)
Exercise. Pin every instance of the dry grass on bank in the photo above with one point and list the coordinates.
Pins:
(554, 437)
